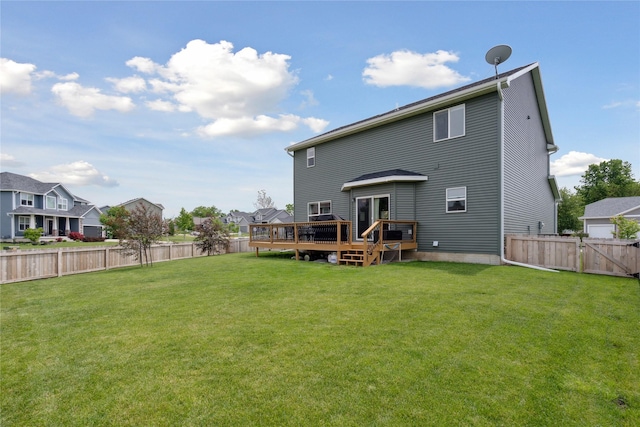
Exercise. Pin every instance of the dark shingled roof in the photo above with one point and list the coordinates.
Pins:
(382, 174)
(427, 100)
(13, 181)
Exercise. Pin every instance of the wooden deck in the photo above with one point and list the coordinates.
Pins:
(336, 237)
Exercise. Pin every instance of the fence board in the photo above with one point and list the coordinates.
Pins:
(611, 256)
(555, 252)
(597, 256)
(18, 266)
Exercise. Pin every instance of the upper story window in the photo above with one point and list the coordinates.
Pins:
(318, 208)
(456, 199)
(311, 157)
(449, 123)
(51, 202)
(62, 204)
(26, 199)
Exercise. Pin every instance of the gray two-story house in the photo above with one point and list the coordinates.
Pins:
(28, 203)
(468, 166)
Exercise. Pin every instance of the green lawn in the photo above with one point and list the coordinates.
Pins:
(236, 340)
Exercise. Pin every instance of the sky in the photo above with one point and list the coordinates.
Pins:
(192, 104)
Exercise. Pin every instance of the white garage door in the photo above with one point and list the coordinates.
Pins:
(600, 231)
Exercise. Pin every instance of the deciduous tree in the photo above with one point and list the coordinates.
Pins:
(625, 228)
(263, 201)
(184, 221)
(144, 228)
(612, 178)
(206, 212)
(569, 209)
(115, 221)
(212, 236)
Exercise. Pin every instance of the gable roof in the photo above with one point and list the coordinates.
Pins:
(610, 207)
(472, 90)
(139, 200)
(14, 182)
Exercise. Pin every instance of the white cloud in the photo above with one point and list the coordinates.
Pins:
(160, 105)
(133, 84)
(50, 74)
(310, 100)
(83, 101)
(574, 163)
(239, 91)
(144, 65)
(406, 68)
(78, 173)
(621, 104)
(7, 160)
(15, 77)
(249, 126)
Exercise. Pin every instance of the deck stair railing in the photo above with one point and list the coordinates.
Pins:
(381, 234)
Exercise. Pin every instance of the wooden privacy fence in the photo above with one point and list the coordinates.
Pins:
(598, 256)
(18, 266)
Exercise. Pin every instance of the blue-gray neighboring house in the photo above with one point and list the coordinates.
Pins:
(470, 166)
(597, 215)
(28, 203)
(260, 216)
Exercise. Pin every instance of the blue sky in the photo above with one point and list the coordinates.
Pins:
(193, 103)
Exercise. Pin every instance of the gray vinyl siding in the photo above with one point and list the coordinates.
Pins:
(528, 198)
(5, 220)
(471, 161)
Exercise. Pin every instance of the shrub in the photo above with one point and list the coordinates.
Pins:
(74, 235)
(33, 234)
(625, 228)
(93, 239)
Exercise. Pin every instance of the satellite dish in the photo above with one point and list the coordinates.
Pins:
(497, 55)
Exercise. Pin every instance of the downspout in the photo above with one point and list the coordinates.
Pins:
(502, 234)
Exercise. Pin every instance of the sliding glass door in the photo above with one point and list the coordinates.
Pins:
(370, 209)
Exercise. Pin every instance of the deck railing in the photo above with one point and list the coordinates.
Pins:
(313, 232)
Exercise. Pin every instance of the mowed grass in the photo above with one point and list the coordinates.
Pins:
(239, 340)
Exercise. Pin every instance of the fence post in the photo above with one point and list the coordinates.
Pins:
(59, 262)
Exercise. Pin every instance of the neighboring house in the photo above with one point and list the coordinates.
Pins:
(29, 203)
(469, 165)
(597, 215)
(260, 216)
(155, 208)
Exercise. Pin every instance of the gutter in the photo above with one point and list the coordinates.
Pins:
(502, 258)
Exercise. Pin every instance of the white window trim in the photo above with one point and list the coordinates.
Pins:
(21, 223)
(448, 110)
(27, 197)
(319, 208)
(311, 155)
(451, 199)
(63, 204)
(48, 199)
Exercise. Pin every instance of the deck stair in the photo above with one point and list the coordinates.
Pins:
(352, 257)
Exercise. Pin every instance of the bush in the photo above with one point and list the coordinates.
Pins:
(74, 235)
(33, 234)
(93, 239)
